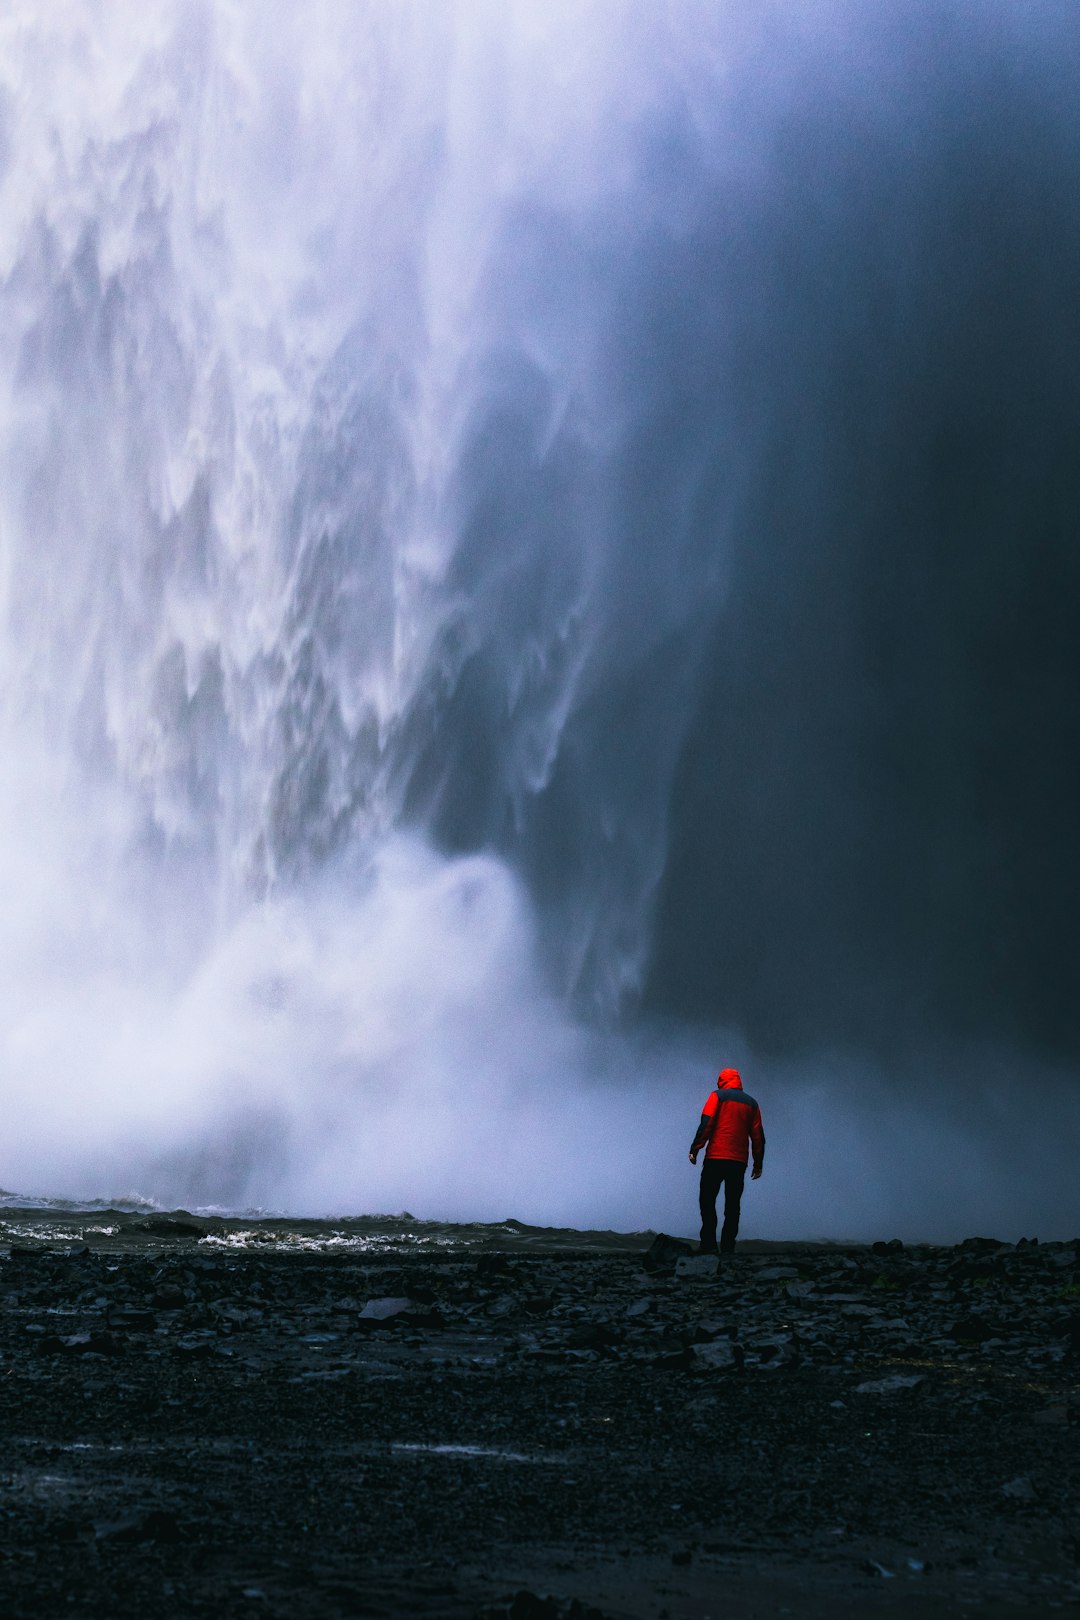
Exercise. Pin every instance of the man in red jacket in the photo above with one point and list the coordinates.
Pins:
(730, 1125)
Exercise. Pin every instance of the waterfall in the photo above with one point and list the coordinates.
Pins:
(451, 475)
(303, 538)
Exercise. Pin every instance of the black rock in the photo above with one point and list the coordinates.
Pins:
(385, 1309)
(169, 1297)
(972, 1330)
(145, 1524)
(130, 1319)
(180, 1225)
(1069, 1329)
(51, 1345)
(664, 1251)
(591, 1336)
(489, 1264)
(194, 1348)
(527, 1606)
(80, 1344)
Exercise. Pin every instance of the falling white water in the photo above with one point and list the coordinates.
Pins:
(246, 261)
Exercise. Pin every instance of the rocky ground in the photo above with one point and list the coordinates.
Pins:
(195, 1426)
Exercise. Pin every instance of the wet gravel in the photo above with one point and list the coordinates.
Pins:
(193, 1428)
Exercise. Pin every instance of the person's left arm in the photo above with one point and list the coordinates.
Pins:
(757, 1143)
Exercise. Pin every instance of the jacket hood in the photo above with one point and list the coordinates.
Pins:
(729, 1078)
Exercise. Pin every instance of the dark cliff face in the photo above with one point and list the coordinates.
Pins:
(825, 742)
(873, 819)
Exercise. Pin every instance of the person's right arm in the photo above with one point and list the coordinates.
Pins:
(701, 1137)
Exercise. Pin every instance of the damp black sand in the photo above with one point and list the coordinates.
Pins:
(385, 1417)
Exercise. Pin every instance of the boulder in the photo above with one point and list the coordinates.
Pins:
(889, 1386)
(972, 1330)
(94, 1344)
(178, 1225)
(145, 1524)
(130, 1318)
(380, 1310)
(591, 1336)
(717, 1355)
(169, 1297)
(664, 1251)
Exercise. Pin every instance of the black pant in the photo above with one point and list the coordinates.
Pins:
(732, 1174)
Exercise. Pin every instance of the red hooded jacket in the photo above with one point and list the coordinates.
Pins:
(736, 1121)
